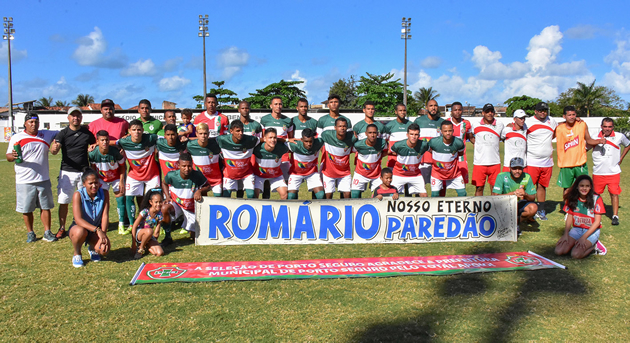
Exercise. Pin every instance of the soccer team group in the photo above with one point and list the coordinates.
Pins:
(171, 166)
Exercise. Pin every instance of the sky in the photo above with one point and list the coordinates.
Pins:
(475, 52)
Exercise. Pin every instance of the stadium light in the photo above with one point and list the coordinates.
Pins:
(8, 36)
(406, 23)
(203, 33)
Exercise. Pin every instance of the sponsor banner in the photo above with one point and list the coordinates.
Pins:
(224, 221)
(340, 268)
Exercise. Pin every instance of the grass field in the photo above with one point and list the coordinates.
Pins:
(44, 298)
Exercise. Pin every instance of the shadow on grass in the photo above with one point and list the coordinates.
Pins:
(551, 206)
(458, 292)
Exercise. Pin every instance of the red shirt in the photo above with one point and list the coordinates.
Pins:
(389, 192)
(218, 124)
(117, 127)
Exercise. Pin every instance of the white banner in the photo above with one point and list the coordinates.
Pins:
(224, 221)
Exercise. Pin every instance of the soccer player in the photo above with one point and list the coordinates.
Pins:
(607, 160)
(540, 130)
(328, 122)
(168, 149)
(181, 189)
(73, 141)
(368, 154)
(462, 129)
(396, 131)
(149, 124)
(302, 121)
(111, 168)
(237, 149)
(250, 126)
(32, 178)
(408, 157)
(267, 166)
(205, 154)
(514, 137)
(571, 139)
(360, 127)
(144, 173)
(336, 159)
(304, 155)
(487, 160)
(385, 189)
(519, 183)
(186, 130)
(429, 128)
(169, 118)
(445, 153)
(217, 122)
(284, 130)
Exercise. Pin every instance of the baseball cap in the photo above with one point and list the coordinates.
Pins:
(517, 162)
(74, 109)
(520, 114)
(107, 102)
(542, 106)
(30, 116)
(488, 108)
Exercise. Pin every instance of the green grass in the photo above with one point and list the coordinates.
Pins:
(44, 298)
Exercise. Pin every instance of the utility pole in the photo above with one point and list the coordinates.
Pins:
(8, 36)
(203, 28)
(406, 23)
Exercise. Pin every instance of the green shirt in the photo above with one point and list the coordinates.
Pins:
(505, 184)
(152, 125)
(183, 190)
(268, 162)
(360, 127)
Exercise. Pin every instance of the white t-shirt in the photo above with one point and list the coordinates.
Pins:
(487, 138)
(539, 137)
(34, 167)
(515, 144)
(606, 156)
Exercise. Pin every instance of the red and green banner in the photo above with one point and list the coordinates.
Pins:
(340, 268)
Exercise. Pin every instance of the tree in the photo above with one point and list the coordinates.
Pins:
(586, 97)
(346, 89)
(83, 100)
(224, 96)
(590, 99)
(424, 95)
(382, 90)
(60, 103)
(523, 102)
(287, 90)
(45, 102)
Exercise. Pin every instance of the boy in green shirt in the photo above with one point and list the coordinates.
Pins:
(520, 184)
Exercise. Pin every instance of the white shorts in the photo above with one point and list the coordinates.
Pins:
(115, 185)
(274, 183)
(416, 184)
(233, 185)
(342, 184)
(139, 188)
(189, 217)
(312, 181)
(67, 183)
(425, 170)
(456, 183)
(360, 182)
(217, 190)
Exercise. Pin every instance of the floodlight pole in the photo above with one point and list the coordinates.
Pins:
(203, 28)
(406, 23)
(8, 36)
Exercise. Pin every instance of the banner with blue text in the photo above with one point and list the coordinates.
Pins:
(224, 221)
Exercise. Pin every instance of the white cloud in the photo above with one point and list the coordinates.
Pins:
(619, 59)
(431, 62)
(140, 68)
(92, 49)
(582, 32)
(231, 61)
(173, 83)
(296, 77)
(544, 48)
(16, 55)
(60, 89)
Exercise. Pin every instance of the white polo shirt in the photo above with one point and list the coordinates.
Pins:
(514, 144)
(606, 156)
(539, 137)
(34, 167)
(487, 138)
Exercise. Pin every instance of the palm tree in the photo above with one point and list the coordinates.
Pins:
(424, 95)
(83, 100)
(60, 103)
(585, 97)
(45, 102)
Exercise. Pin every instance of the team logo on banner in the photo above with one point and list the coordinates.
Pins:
(165, 272)
(522, 260)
